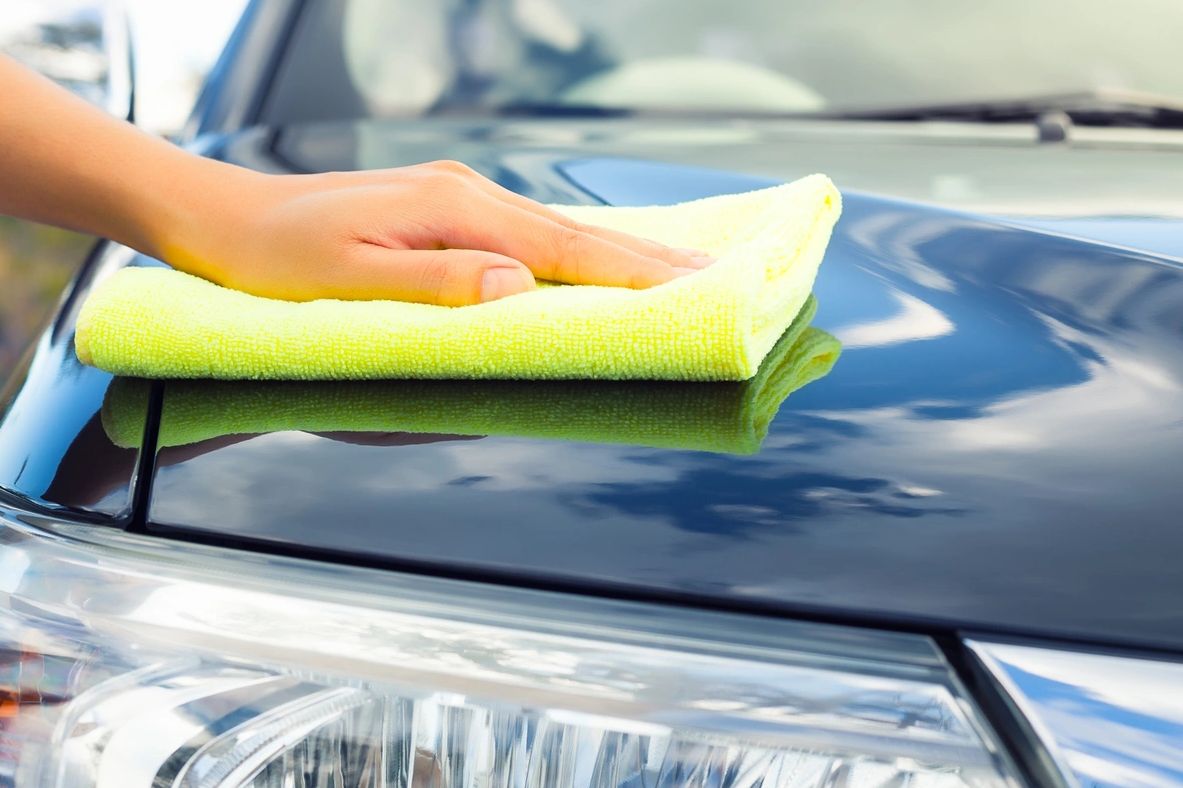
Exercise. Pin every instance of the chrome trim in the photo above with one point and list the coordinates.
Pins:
(1105, 720)
(117, 43)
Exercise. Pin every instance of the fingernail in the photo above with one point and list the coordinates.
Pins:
(502, 282)
(698, 259)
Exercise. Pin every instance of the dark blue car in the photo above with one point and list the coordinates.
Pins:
(954, 560)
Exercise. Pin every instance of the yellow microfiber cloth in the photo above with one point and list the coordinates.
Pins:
(715, 324)
(716, 417)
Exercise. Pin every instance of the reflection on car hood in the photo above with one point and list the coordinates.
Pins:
(997, 448)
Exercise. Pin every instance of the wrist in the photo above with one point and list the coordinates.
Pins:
(192, 218)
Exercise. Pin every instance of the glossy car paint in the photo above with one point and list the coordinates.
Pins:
(997, 448)
(997, 451)
(54, 453)
(1113, 721)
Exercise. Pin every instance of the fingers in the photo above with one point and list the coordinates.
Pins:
(468, 216)
(451, 277)
(698, 259)
(453, 175)
(680, 258)
(556, 252)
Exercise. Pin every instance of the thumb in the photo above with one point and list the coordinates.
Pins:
(450, 277)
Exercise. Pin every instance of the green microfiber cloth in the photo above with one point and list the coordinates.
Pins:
(717, 417)
(715, 324)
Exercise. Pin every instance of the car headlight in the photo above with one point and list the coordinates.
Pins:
(138, 662)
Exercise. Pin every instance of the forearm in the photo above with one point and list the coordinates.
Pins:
(438, 233)
(63, 162)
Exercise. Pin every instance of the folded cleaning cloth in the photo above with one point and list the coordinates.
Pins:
(715, 324)
(716, 417)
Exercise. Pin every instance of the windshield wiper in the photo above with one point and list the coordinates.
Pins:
(542, 109)
(1053, 113)
(1087, 108)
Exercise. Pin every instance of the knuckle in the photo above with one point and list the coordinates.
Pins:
(436, 179)
(435, 275)
(451, 167)
(571, 249)
(434, 195)
(643, 274)
(443, 181)
(571, 244)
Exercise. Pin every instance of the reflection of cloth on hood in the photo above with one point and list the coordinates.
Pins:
(718, 417)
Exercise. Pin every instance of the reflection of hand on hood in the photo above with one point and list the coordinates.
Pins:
(716, 417)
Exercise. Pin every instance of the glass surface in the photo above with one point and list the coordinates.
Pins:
(129, 663)
(354, 58)
(1112, 721)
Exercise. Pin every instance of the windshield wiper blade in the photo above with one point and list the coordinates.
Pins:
(538, 109)
(1086, 108)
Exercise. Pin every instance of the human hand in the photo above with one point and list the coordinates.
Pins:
(436, 233)
(433, 233)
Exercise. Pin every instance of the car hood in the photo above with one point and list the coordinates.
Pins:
(998, 447)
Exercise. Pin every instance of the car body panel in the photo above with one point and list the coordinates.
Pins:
(54, 452)
(998, 446)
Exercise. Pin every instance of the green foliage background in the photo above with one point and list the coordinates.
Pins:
(36, 262)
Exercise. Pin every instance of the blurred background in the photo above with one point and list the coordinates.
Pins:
(175, 44)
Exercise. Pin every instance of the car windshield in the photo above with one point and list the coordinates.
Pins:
(361, 58)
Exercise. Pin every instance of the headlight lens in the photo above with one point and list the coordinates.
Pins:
(132, 662)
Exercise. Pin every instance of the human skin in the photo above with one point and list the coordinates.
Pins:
(433, 233)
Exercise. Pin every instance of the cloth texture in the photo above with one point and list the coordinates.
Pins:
(714, 324)
(716, 417)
